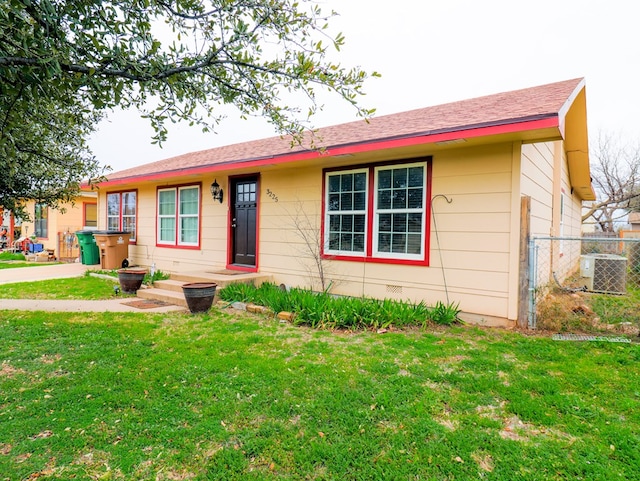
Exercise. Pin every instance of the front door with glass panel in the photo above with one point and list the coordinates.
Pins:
(244, 221)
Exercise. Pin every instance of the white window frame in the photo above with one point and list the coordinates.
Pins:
(114, 216)
(377, 212)
(172, 242)
(133, 216)
(181, 216)
(372, 213)
(177, 216)
(328, 213)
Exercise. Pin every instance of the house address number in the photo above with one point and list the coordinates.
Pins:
(273, 196)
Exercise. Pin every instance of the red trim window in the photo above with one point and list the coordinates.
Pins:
(90, 214)
(122, 210)
(178, 222)
(378, 212)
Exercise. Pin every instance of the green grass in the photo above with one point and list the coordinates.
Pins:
(148, 278)
(86, 287)
(617, 309)
(11, 256)
(16, 264)
(10, 260)
(225, 396)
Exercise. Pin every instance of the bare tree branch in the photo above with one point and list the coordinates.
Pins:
(615, 173)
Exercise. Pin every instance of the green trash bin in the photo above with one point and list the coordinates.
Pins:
(89, 252)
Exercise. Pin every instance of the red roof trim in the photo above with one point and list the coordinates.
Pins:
(414, 139)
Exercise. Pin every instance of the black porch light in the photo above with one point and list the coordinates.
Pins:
(216, 191)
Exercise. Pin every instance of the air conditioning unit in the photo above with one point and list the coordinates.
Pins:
(605, 273)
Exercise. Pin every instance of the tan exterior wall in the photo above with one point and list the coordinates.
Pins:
(145, 252)
(538, 183)
(474, 242)
(59, 223)
(555, 209)
(473, 233)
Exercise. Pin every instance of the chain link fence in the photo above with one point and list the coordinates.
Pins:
(604, 265)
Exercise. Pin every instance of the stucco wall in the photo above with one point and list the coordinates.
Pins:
(58, 222)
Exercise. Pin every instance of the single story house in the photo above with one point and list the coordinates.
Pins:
(53, 229)
(420, 205)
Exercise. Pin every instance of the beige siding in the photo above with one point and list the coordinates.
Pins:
(472, 254)
(555, 210)
(213, 228)
(537, 182)
(473, 233)
(567, 260)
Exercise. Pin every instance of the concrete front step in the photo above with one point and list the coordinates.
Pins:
(169, 285)
(222, 280)
(170, 290)
(164, 295)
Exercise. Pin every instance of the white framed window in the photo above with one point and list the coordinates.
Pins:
(399, 207)
(379, 212)
(346, 207)
(167, 216)
(178, 222)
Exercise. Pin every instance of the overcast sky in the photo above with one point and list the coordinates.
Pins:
(431, 52)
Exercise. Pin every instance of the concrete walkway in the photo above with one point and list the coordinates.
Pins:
(61, 271)
(43, 272)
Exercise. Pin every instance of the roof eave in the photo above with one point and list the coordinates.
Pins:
(511, 126)
(573, 126)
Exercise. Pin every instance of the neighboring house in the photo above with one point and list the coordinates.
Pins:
(421, 205)
(53, 228)
(634, 221)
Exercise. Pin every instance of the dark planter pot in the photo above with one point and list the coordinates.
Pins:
(131, 279)
(199, 295)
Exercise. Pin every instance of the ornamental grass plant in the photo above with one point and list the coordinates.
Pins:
(324, 310)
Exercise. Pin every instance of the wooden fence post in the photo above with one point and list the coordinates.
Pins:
(523, 291)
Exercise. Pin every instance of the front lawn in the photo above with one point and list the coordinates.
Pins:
(10, 260)
(86, 287)
(231, 396)
(19, 264)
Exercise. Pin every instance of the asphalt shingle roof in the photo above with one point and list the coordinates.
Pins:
(503, 108)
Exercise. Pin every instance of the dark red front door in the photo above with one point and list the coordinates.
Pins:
(243, 221)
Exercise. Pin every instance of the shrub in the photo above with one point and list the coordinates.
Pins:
(445, 314)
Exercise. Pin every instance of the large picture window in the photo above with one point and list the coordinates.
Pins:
(121, 212)
(179, 216)
(377, 213)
